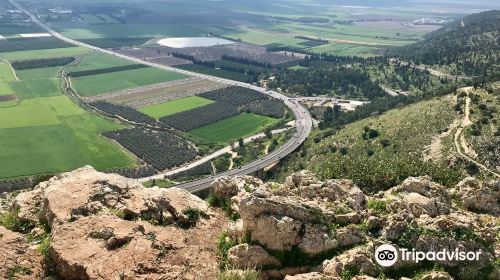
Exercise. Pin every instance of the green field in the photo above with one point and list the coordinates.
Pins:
(47, 133)
(46, 53)
(229, 130)
(6, 77)
(109, 82)
(97, 60)
(176, 106)
(41, 82)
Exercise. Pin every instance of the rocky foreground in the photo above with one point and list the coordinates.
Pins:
(89, 225)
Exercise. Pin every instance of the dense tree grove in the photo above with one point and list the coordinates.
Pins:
(16, 44)
(41, 63)
(471, 44)
(124, 112)
(201, 116)
(160, 149)
(106, 70)
(236, 96)
(328, 79)
(244, 60)
(270, 107)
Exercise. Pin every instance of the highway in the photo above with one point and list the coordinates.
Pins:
(303, 118)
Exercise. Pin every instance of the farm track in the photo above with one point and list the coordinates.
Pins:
(461, 143)
(302, 116)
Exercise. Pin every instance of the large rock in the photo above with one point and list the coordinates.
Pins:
(419, 196)
(357, 258)
(304, 184)
(479, 197)
(106, 247)
(85, 192)
(227, 187)
(251, 256)
(105, 226)
(17, 259)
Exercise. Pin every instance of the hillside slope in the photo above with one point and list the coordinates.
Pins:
(469, 46)
(380, 151)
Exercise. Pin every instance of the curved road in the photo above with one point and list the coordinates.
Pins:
(303, 117)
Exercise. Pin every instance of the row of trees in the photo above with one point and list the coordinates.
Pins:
(27, 44)
(106, 70)
(41, 63)
(124, 112)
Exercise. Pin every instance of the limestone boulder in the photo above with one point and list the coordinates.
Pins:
(246, 256)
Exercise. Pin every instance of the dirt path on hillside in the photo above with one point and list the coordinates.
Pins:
(459, 140)
(435, 150)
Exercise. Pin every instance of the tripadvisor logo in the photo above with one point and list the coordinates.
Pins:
(387, 255)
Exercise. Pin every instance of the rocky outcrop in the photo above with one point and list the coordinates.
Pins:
(251, 256)
(17, 259)
(85, 192)
(479, 197)
(359, 259)
(108, 227)
(307, 218)
(419, 196)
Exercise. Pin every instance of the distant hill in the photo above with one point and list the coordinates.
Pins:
(469, 46)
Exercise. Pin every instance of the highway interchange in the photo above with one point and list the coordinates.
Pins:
(303, 118)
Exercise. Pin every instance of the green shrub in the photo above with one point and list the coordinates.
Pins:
(17, 270)
(193, 215)
(11, 221)
(224, 204)
(377, 205)
(349, 272)
(248, 274)
(44, 249)
(224, 243)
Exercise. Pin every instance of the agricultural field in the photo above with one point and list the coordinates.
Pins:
(236, 96)
(158, 93)
(175, 106)
(159, 149)
(201, 116)
(26, 44)
(97, 60)
(41, 82)
(45, 53)
(231, 129)
(46, 132)
(114, 81)
(6, 77)
(51, 134)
